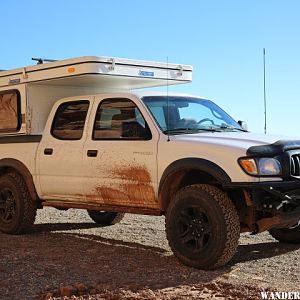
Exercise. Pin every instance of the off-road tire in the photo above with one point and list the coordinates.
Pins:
(18, 215)
(286, 235)
(105, 218)
(209, 214)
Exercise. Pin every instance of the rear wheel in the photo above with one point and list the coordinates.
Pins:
(202, 226)
(17, 209)
(287, 235)
(105, 218)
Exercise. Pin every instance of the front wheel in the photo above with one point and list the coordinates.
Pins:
(202, 226)
(287, 235)
(105, 218)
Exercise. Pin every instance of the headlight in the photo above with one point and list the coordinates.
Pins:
(261, 166)
(269, 166)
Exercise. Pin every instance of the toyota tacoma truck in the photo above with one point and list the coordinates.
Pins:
(76, 133)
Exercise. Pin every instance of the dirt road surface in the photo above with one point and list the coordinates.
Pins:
(68, 254)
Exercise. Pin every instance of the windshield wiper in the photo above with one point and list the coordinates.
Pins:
(189, 130)
(230, 127)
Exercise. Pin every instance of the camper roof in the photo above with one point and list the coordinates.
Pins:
(94, 71)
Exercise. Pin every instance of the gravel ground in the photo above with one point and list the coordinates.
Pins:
(67, 252)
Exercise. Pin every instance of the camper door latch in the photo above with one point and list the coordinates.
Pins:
(113, 64)
(25, 75)
(180, 72)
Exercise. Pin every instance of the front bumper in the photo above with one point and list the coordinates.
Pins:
(282, 185)
(278, 201)
(288, 192)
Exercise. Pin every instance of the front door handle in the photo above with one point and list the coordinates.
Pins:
(92, 153)
(48, 151)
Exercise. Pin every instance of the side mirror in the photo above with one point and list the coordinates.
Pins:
(243, 124)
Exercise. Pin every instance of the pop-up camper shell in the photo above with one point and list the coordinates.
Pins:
(27, 94)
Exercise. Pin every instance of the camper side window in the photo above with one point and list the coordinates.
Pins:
(69, 120)
(10, 111)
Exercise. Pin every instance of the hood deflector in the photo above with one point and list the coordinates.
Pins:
(273, 149)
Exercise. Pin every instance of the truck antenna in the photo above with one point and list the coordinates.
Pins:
(168, 104)
(265, 97)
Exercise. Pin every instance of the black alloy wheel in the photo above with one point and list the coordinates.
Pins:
(194, 228)
(7, 206)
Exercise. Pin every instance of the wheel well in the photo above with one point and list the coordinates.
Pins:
(177, 180)
(197, 176)
(183, 178)
(12, 165)
(188, 171)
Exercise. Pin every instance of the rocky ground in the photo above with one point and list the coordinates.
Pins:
(68, 254)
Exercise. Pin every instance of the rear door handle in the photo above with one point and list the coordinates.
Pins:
(92, 153)
(48, 151)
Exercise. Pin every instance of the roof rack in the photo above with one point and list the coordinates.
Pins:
(42, 60)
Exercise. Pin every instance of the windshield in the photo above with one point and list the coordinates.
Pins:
(175, 115)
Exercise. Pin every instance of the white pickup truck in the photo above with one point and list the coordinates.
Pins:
(74, 135)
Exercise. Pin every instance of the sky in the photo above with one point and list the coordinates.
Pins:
(223, 40)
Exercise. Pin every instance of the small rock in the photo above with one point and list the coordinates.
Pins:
(67, 290)
(48, 288)
(205, 290)
(49, 295)
(93, 291)
(81, 288)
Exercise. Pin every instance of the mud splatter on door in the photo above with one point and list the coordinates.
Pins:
(132, 187)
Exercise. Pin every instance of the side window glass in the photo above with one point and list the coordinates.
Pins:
(68, 123)
(120, 119)
(159, 114)
(10, 111)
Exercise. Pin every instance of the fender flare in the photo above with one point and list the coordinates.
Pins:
(11, 163)
(197, 164)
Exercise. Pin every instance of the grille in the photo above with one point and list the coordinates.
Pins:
(295, 165)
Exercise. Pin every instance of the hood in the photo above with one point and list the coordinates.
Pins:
(255, 143)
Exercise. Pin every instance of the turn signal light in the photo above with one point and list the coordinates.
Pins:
(249, 166)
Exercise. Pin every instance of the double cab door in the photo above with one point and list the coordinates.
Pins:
(100, 150)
